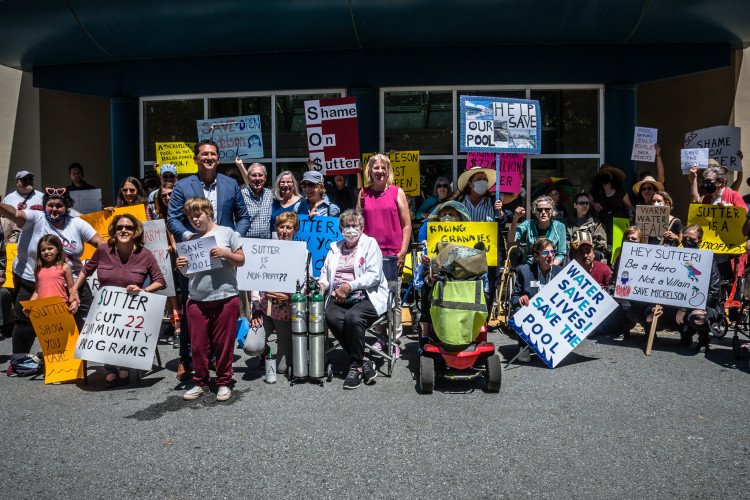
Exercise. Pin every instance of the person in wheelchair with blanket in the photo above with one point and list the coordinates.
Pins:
(691, 321)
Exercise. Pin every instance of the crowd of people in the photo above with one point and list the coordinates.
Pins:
(377, 221)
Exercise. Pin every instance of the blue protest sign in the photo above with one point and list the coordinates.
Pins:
(564, 312)
(318, 232)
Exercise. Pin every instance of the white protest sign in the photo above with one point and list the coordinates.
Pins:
(156, 241)
(198, 253)
(652, 220)
(564, 312)
(693, 156)
(723, 143)
(121, 328)
(87, 201)
(643, 144)
(664, 275)
(272, 265)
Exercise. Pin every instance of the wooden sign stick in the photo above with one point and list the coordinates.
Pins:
(652, 333)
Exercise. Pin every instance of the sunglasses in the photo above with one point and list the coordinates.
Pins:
(543, 209)
(549, 252)
(58, 191)
(304, 185)
(27, 179)
(123, 227)
(446, 186)
(165, 195)
(647, 188)
(128, 190)
(583, 203)
(168, 176)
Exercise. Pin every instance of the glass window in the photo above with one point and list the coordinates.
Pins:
(291, 136)
(244, 106)
(570, 120)
(169, 121)
(418, 120)
(576, 170)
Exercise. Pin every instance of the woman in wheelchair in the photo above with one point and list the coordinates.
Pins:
(542, 225)
(450, 211)
(530, 278)
(357, 293)
(690, 321)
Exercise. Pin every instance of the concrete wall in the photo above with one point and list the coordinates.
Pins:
(19, 127)
(75, 128)
(679, 105)
(742, 112)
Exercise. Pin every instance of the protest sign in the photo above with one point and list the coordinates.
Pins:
(405, 166)
(722, 227)
(643, 144)
(694, 156)
(652, 220)
(100, 222)
(11, 251)
(121, 328)
(563, 313)
(619, 225)
(332, 138)
(235, 135)
(272, 265)
(318, 233)
(664, 275)
(467, 234)
(509, 167)
(500, 125)
(87, 201)
(481, 160)
(179, 154)
(156, 241)
(723, 144)
(198, 253)
(56, 330)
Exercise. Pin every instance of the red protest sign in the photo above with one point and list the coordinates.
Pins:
(332, 138)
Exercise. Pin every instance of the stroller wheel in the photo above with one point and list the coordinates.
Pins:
(426, 374)
(721, 328)
(494, 373)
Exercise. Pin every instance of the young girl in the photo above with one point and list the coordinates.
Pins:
(213, 305)
(53, 276)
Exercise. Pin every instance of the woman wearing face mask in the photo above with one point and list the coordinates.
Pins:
(474, 188)
(542, 225)
(285, 195)
(714, 184)
(672, 235)
(440, 194)
(356, 293)
(691, 321)
(610, 199)
(72, 231)
(582, 220)
(645, 189)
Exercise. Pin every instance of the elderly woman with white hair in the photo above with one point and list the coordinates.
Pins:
(356, 293)
(542, 225)
(715, 186)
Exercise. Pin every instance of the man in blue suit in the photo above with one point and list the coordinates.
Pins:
(229, 210)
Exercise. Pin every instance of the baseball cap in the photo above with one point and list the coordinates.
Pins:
(312, 176)
(23, 173)
(167, 168)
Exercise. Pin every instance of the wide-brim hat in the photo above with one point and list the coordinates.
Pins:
(463, 179)
(647, 180)
(616, 172)
(458, 207)
(714, 163)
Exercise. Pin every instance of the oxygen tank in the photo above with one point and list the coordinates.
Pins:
(317, 335)
(299, 334)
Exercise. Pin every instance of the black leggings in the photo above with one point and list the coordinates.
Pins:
(23, 331)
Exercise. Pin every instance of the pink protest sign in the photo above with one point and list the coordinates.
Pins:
(482, 160)
(509, 167)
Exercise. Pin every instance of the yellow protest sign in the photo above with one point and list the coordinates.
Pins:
(11, 250)
(179, 154)
(467, 234)
(405, 166)
(619, 225)
(722, 227)
(57, 333)
(100, 222)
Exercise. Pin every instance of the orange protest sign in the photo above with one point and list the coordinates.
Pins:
(57, 333)
(100, 222)
(11, 250)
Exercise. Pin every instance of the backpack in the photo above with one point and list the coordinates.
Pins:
(25, 365)
(458, 261)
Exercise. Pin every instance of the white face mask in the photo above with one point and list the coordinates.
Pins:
(448, 218)
(480, 187)
(351, 234)
(658, 204)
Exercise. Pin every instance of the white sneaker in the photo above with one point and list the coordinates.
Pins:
(195, 392)
(223, 394)
(524, 356)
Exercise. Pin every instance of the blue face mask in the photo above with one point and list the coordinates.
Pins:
(55, 219)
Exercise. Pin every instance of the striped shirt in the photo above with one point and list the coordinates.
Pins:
(484, 211)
